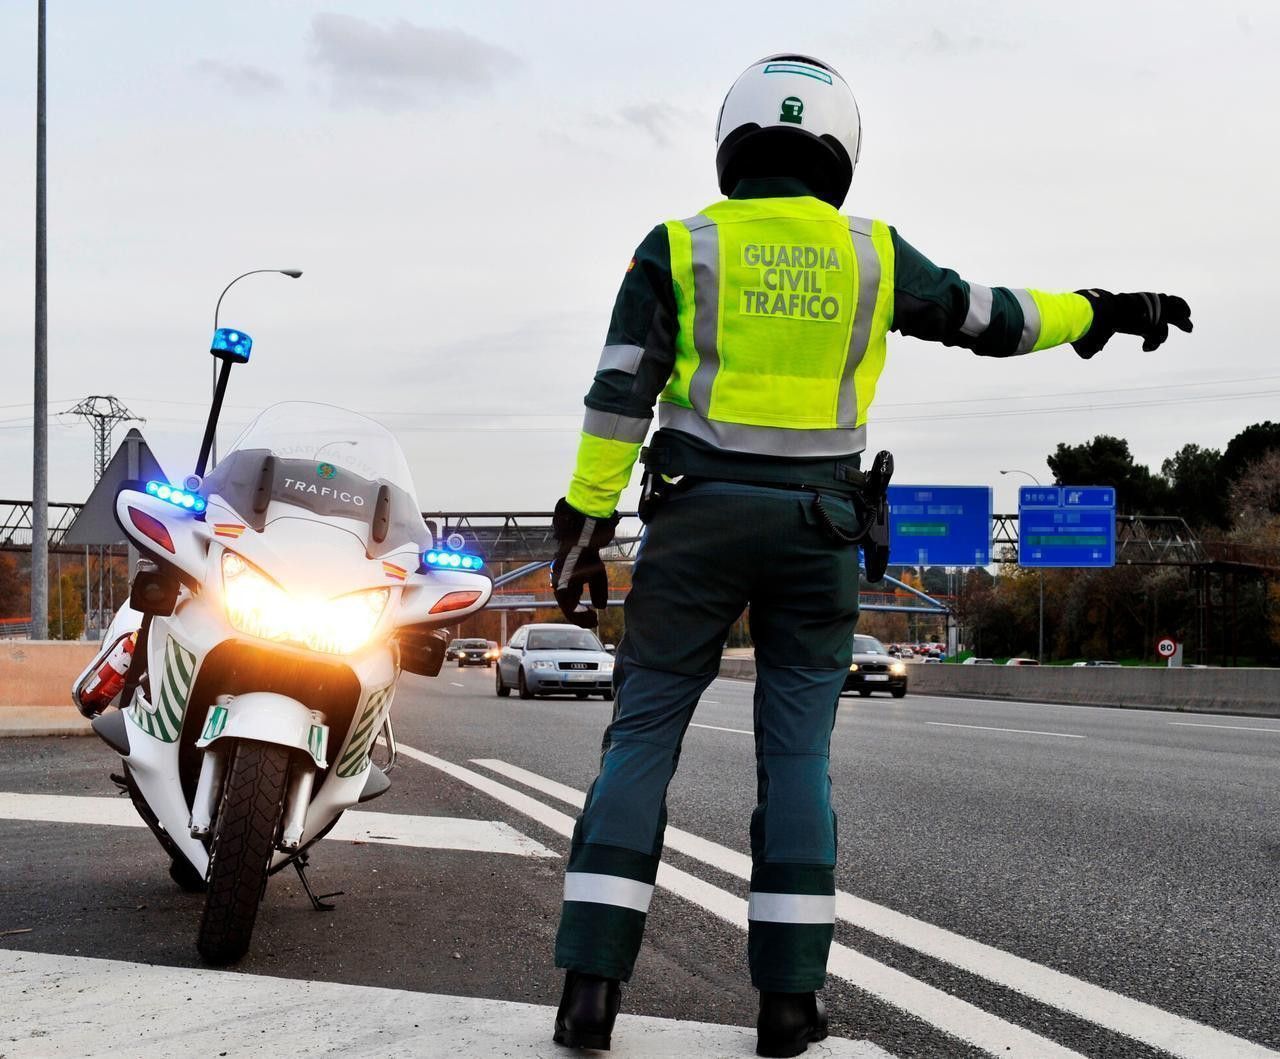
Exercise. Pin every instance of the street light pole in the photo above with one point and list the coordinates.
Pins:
(292, 273)
(40, 397)
(1040, 655)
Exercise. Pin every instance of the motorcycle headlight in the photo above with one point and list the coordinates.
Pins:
(257, 606)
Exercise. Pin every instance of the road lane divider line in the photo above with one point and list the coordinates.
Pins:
(454, 683)
(989, 728)
(1233, 727)
(717, 728)
(268, 1015)
(391, 829)
(950, 1014)
(1175, 1034)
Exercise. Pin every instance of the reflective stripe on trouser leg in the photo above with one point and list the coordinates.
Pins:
(791, 912)
(617, 841)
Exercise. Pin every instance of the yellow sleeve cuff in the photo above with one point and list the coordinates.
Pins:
(1063, 318)
(602, 473)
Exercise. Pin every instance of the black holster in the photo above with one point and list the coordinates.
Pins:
(871, 502)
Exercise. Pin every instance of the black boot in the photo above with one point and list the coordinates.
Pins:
(587, 1010)
(788, 1023)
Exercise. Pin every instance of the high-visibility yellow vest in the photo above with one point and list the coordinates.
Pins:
(782, 305)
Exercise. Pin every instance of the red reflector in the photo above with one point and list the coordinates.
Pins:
(152, 528)
(455, 601)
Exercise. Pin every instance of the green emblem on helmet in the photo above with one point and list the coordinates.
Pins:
(326, 470)
(792, 110)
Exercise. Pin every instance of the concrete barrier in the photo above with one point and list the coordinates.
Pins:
(1244, 692)
(35, 686)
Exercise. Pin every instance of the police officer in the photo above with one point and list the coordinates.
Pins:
(758, 328)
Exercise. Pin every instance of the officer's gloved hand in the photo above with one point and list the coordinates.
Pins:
(1145, 314)
(577, 562)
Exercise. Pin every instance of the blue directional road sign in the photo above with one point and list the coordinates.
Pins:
(939, 525)
(1066, 525)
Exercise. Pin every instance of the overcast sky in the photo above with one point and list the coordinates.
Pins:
(464, 185)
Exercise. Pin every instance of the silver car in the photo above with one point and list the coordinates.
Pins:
(555, 660)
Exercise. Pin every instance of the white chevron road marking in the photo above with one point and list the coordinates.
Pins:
(950, 1014)
(396, 829)
(1113, 1011)
(142, 1011)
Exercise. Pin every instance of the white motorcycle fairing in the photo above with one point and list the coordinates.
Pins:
(311, 530)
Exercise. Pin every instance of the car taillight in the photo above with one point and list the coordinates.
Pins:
(455, 601)
(152, 528)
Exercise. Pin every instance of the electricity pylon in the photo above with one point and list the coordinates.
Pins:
(102, 413)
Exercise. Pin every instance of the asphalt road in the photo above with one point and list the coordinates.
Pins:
(1019, 879)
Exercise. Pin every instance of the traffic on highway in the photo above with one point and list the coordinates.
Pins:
(576, 621)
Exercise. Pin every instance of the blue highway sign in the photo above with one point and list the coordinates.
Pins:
(939, 525)
(1066, 525)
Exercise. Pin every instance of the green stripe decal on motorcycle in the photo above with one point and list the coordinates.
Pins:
(171, 692)
(216, 722)
(360, 742)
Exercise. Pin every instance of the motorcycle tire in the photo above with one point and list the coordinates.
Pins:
(502, 690)
(244, 838)
(525, 693)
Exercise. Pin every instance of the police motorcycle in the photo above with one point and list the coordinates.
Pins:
(276, 603)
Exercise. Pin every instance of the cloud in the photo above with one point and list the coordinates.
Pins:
(243, 80)
(401, 65)
(655, 119)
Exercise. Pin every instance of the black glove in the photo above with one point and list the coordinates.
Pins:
(577, 562)
(1145, 314)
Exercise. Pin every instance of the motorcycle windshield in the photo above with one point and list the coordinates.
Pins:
(328, 461)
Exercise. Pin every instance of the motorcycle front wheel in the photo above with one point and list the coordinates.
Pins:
(244, 837)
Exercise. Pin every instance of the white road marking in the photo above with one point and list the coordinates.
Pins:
(196, 1011)
(1114, 1011)
(950, 1014)
(717, 728)
(1233, 727)
(395, 829)
(455, 684)
(713, 702)
(988, 728)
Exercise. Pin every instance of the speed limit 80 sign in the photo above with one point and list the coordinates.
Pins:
(1166, 647)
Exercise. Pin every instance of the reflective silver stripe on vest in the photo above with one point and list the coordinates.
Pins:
(978, 318)
(1030, 321)
(763, 441)
(705, 240)
(620, 358)
(792, 908)
(614, 427)
(608, 890)
(864, 249)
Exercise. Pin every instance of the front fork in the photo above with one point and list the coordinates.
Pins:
(213, 769)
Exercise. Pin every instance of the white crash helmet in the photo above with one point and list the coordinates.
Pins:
(789, 105)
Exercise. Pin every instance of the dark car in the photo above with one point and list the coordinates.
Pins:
(874, 669)
(475, 653)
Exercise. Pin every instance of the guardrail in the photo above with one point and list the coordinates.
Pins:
(1244, 692)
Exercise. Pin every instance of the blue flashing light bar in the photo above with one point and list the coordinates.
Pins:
(441, 560)
(231, 344)
(177, 497)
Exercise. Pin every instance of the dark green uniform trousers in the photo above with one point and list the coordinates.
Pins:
(711, 550)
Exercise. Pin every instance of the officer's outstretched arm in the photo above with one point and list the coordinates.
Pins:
(936, 304)
(634, 366)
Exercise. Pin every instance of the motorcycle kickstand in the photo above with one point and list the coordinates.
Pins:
(317, 902)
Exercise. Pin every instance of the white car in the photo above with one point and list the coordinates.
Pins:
(555, 659)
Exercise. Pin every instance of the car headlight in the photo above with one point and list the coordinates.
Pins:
(542, 665)
(257, 606)
(606, 667)
(853, 668)
(898, 668)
